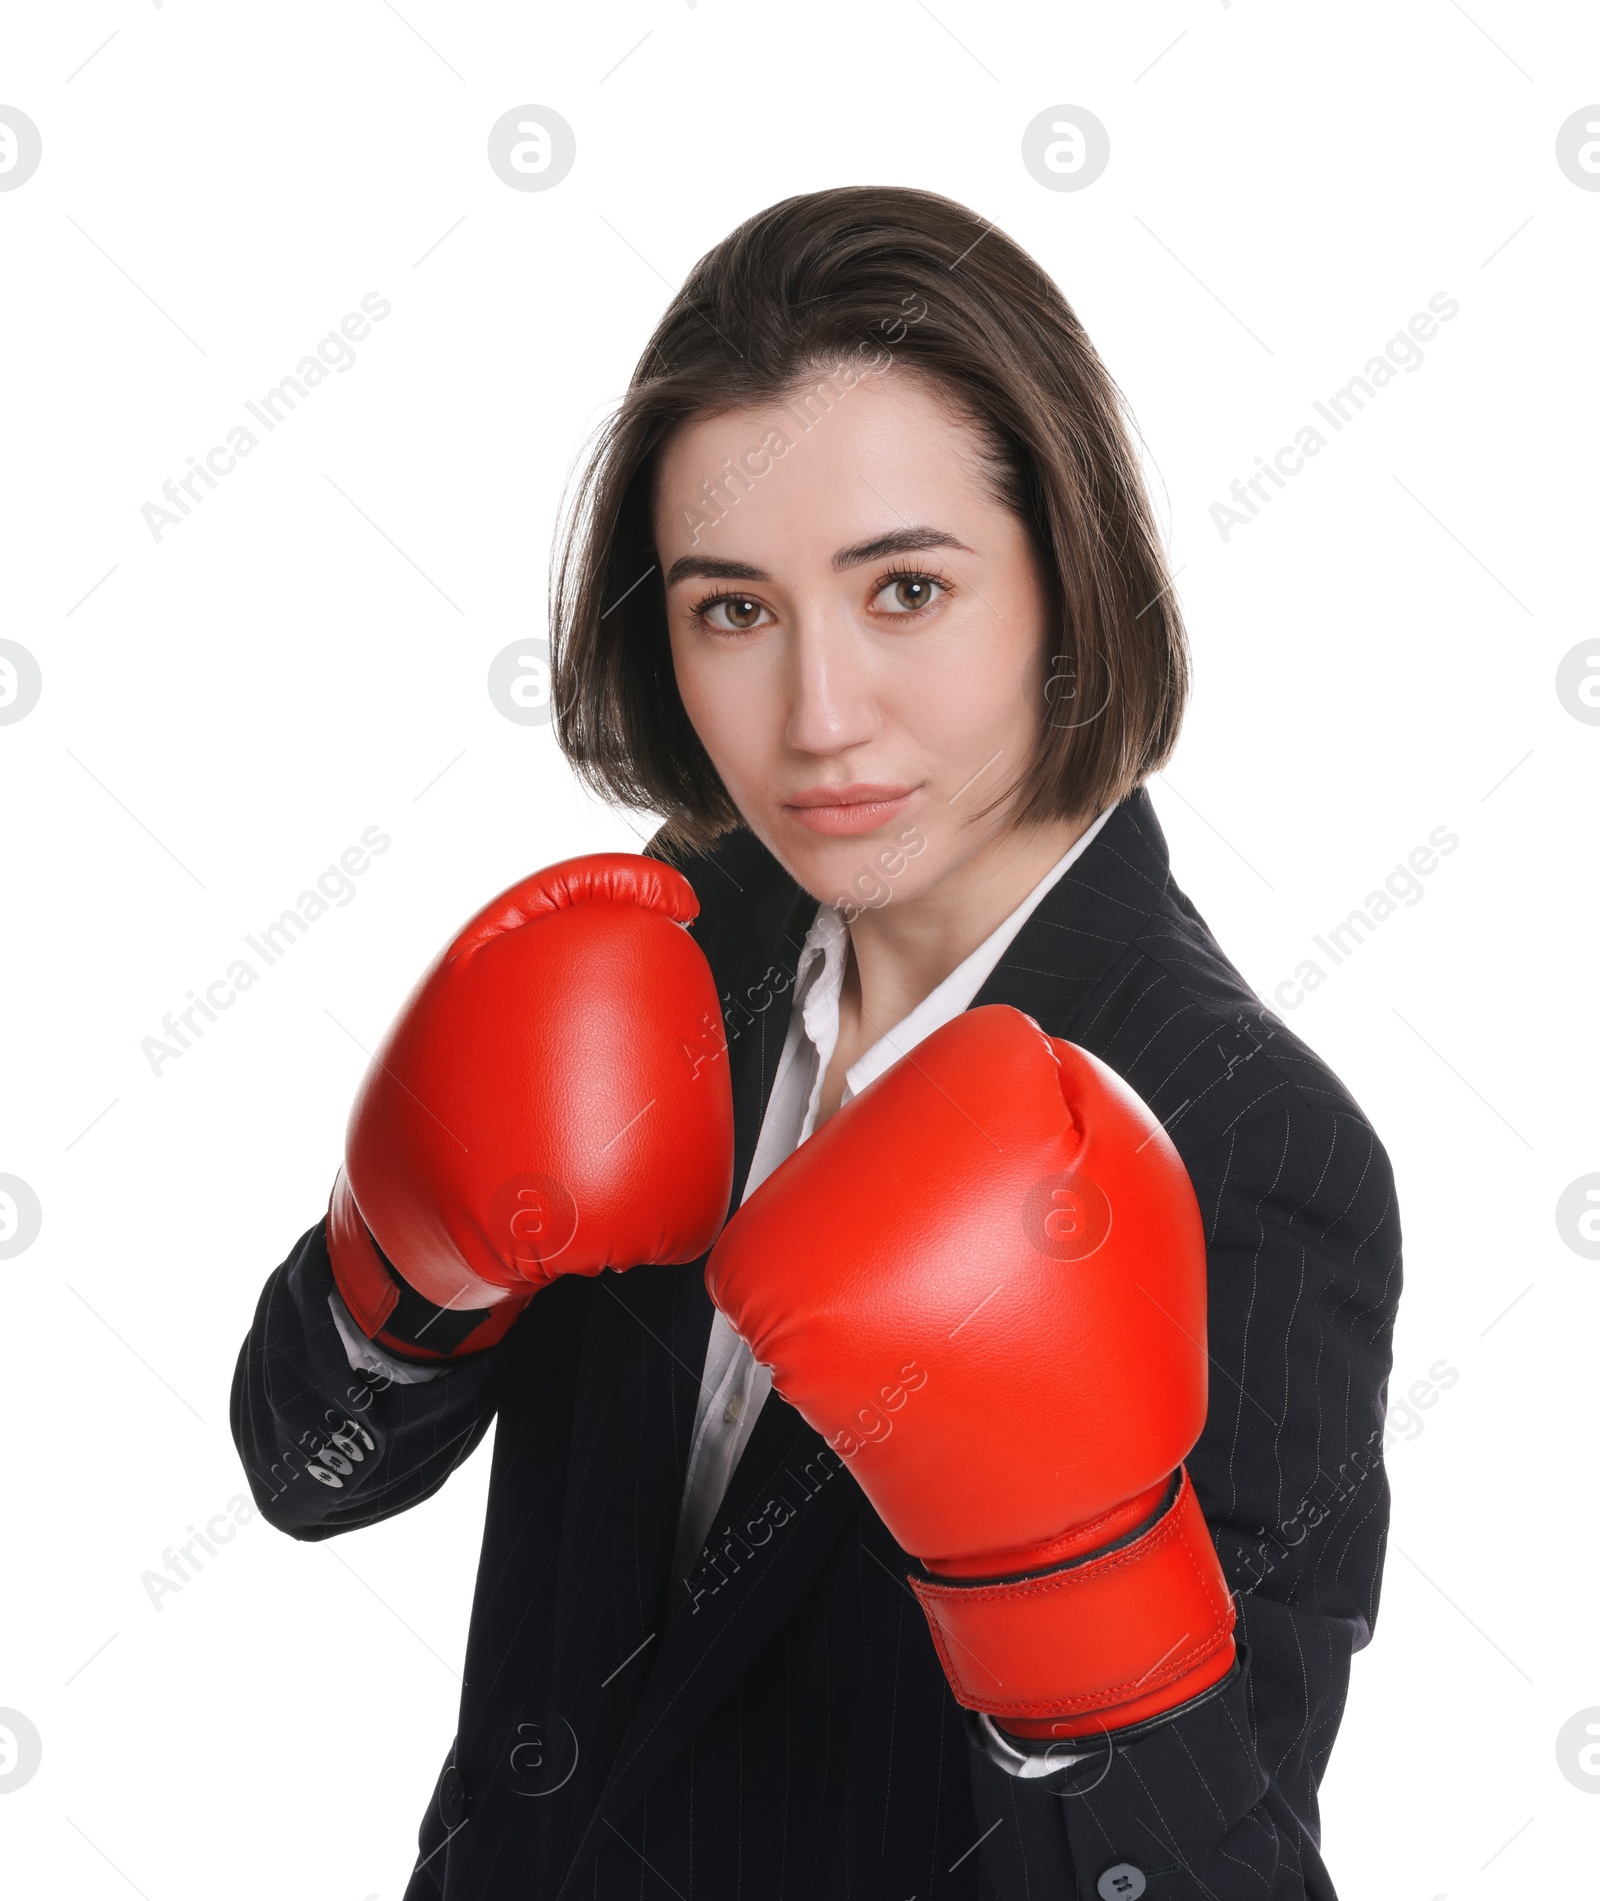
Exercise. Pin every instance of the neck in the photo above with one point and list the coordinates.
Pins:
(901, 952)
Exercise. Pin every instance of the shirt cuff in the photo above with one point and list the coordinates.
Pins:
(1025, 1760)
(364, 1357)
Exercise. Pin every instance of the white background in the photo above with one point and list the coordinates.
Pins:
(226, 710)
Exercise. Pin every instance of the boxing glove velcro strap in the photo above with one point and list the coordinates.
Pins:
(386, 1308)
(1090, 1636)
(417, 1324)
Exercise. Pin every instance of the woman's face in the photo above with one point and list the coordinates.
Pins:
(860, 636)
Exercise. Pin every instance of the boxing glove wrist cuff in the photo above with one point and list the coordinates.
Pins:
(1107, 1640)
(387, 1309)
(1031, 1757)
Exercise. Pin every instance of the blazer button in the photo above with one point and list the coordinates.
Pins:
(1124, 1882)
(453, 1801)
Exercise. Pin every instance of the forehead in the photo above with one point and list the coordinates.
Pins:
(831, 462)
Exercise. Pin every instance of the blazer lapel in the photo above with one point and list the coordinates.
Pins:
(1085, 922)
(757, 1004)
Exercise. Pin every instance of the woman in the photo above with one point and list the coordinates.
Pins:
(862, 593)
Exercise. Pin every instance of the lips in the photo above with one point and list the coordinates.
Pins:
(848, 809)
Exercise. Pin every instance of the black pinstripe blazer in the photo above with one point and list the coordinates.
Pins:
(787, 1735)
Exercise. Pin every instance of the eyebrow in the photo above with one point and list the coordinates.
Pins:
(898, 541)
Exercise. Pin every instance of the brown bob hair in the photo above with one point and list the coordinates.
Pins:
(835, 278)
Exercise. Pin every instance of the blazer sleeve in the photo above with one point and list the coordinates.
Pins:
(327, 1446)
(1303, 1260)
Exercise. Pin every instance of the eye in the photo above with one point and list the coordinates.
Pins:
(730, 613)
(903, 594)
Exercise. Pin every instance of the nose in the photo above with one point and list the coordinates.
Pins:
(833, 699)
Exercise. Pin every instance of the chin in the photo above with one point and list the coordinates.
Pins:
(867, 871)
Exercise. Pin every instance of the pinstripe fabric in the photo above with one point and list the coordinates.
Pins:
(789, 1733)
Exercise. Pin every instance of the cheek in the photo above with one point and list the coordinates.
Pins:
(731, 705)
(982, 684)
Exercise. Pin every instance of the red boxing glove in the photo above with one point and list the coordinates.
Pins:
(983, 1282)
(552, 1099)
